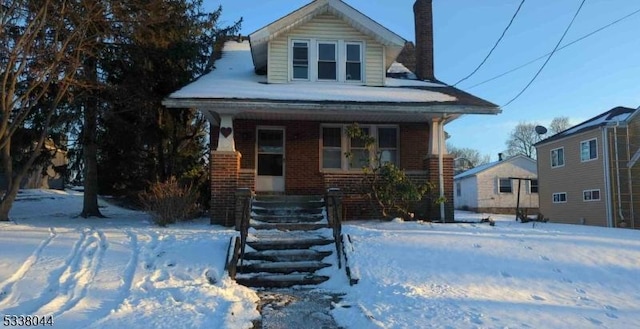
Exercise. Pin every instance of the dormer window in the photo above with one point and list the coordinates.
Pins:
(301, 60)
(327, 56)
(326, 60)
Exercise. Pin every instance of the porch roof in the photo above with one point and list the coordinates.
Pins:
(234, 87)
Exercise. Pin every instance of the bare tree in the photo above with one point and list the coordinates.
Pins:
(559, 124)
(466, 158)
(42, 44)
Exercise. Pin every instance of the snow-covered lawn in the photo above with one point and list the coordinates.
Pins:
(124, 272)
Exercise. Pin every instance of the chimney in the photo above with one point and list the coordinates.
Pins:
(424, 39)
(499, 156)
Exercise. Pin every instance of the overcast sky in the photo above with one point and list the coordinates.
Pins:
(580, 81)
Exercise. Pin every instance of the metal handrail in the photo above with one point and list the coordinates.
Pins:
(244, 226)
(336, 223)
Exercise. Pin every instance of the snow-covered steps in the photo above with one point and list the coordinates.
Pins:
(289, 241)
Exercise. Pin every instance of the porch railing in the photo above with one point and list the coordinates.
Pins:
(333, 200)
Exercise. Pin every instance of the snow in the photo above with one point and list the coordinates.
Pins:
(234, 78)
(125, 272)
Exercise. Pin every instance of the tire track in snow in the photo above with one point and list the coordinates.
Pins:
(74, 281)
(6, 288)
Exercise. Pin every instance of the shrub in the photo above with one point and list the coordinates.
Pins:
(168, 202)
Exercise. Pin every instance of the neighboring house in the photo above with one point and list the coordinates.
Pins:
(590, 174)
(279, 105)
(493, 187)
(45, 176)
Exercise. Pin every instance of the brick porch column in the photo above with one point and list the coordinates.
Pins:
(431, 166)
(225, 168)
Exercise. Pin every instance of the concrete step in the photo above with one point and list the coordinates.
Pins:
(287, 255)
(283, 267)
(279, 280)
(288, 226)
(288, 198)
(288, 204)
(288, 218)
(286, 211)
(291, 243)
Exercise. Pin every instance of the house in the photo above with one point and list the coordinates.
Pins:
(590, 174)
(48, 175)
(498, 187)
(279, 105)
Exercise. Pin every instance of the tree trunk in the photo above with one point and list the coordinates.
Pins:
(90, 149)
(7, 166)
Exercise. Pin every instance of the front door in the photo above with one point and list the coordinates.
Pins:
(271, 159)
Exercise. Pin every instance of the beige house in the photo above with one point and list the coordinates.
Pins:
(590, 174)
(498, 187)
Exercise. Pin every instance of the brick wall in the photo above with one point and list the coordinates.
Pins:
(431, 165)
(414, 145)
(224, 178)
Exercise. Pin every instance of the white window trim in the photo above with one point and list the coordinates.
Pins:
(588, 141)
(530, 185)
(559, 193)
(510, 182)
(591, 192)
(309, 59)
(336, 53)
(563, 157)
(345, 144)
(341, 60)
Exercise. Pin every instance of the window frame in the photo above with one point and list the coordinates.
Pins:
(336, 59)
(591, 199)
(458, 189)
(292, 61)
(500, 180)
(558, 165)
(559, 194)
(531, 186)
(345, 145)
(588, 143)
(360, 60)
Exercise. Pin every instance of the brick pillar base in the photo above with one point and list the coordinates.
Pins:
(225, 167)
(431, 166)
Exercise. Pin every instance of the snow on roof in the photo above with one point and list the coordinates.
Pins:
(234, 78)
(476, 170)
(617, 114)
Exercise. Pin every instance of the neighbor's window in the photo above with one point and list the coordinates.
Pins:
(388, 144)
(332, 147)
(301, 60)
(560, 197)
(354, 62)
(327, 64)
(458, 189)
(591, 195)
(588, 150)
(505, 185)
(533, 186)
(557, 157)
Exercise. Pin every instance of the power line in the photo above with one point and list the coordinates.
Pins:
(494, 46)
(565, 46)
(548, 58)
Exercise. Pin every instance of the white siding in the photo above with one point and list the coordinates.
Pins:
(325, 27)
(488, 188)
(468, 193)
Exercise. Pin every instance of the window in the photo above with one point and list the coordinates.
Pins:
(358, 151)
(327, 66)
(388, 144)
(335, 144)
(557, 157)
(560, 197)
(588, 150)
(458, 189)
(300, 60)
(533, 186)
(591, 195)
(354, 62)
(505, 185)
(332, 147)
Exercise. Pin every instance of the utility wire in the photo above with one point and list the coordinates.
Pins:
(494, 46)
(565, 46)
(548, 58)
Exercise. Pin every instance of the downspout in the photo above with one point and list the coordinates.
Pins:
(630, 182)
(615, 139)
(607, 177)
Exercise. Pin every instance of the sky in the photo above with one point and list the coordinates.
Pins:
(124, 272)
(579, 82)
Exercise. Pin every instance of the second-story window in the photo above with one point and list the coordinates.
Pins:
(557, 157)
(588, 150)
(301, 60)
(354, 62)
(327, 65)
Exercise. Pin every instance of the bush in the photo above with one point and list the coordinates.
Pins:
(168, 202)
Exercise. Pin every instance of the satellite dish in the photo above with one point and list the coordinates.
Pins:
(540, 130)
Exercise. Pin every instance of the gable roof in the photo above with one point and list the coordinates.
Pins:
(615, 115)
(260, 38)
(476, 170)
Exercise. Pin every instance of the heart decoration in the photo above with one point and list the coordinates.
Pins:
(226, 131)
